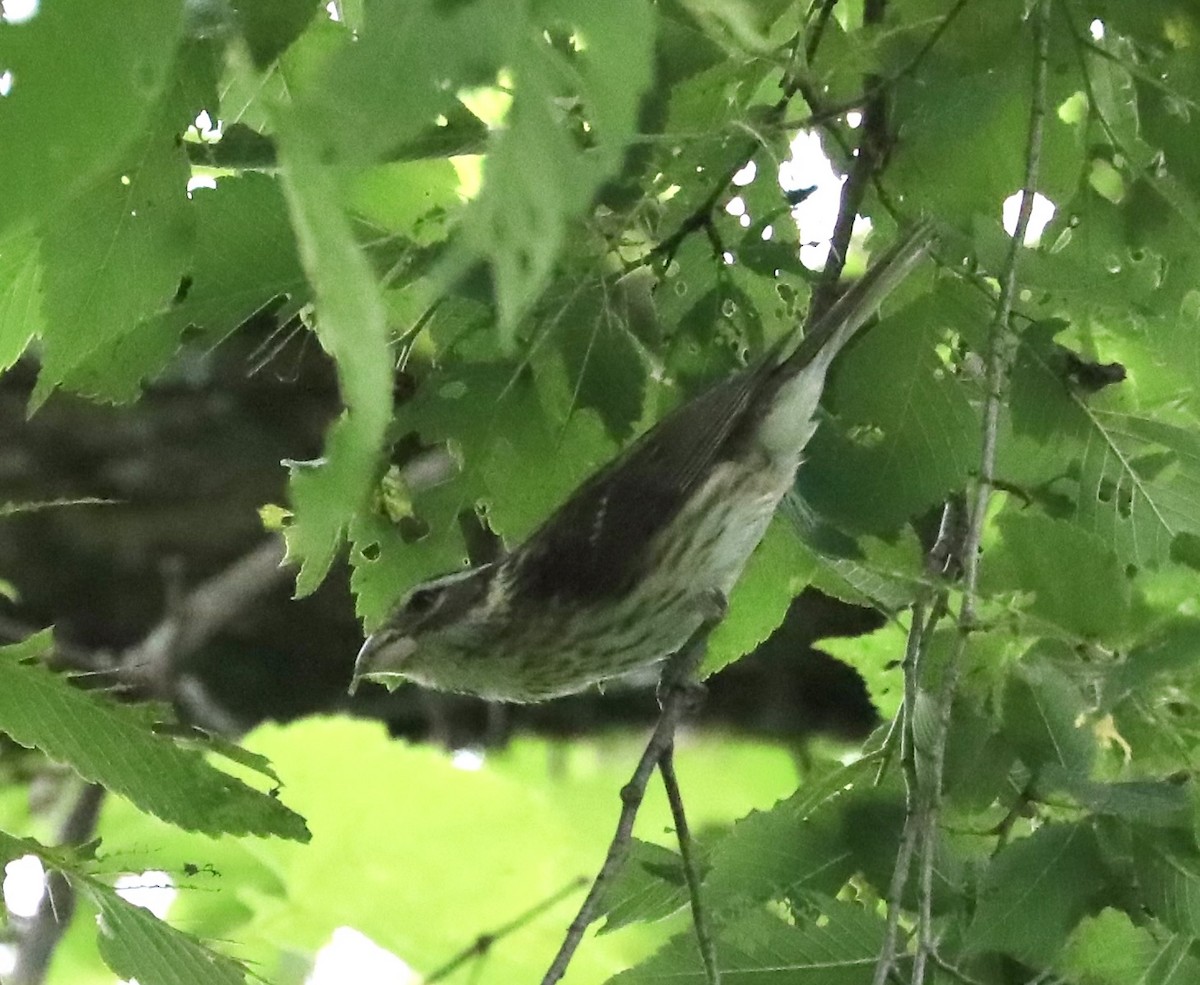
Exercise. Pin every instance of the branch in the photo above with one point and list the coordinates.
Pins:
(938, 562)
(677, 699)
(485, 942)
(38, 938)
(708, 950)
(157, 663)
(996, 374)
(817, 29)
(873, 149)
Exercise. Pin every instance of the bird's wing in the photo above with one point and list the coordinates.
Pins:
(594, 544)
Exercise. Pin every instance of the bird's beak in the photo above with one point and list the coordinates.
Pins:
(381, 658)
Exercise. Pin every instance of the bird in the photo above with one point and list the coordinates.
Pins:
(644, 552)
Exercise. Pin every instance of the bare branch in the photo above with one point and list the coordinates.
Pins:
(485, 942)
(157, 662)
(873, 148)
(677, 699)
(996, 374)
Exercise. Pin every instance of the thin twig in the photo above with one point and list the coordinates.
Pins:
(817, 31)
(485, 942)
(704, 938)
(954, 970)
(918, 634)
(157, 662)
(873, 147)
(996, 373)
(677, 698)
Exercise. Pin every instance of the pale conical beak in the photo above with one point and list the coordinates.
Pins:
(382, 656)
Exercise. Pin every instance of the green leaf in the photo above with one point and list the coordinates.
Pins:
(794, 847)
(905, 432)
(380, 90)
(839, 949)
(872, 821)
(413, 199)
(352, 327)
(979, 85)
(1131, 480)
(778, 570)
(1076, 580)
(245, 259)
(879, 659)
(20, 294)
(649, 887)
(1168, 872)
(603, 360)
(1109, 949)
(1035, 891)
(84, 80)
(134, 218)
(867, 571)
(133, 941)
(537, 177)
(115, 746)
(137, 945)
(978, 758)
(1159, 804)
(270, 26)
(1044, 719)
(1171, 647)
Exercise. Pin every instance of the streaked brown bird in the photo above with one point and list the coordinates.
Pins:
(627, 569)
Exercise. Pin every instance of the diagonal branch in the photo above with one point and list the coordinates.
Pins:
(704, 938)
(158, 661)
(678, 697)
(485, 942)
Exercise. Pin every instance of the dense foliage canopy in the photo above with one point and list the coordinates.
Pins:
(522, 231)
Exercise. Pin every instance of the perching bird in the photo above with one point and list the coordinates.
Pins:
(625, 572)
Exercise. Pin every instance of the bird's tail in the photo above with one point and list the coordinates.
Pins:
(833, 329)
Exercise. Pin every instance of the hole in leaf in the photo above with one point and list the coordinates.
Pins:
(412, 529)
(370, 552)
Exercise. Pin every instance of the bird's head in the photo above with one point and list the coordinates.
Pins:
(435, 626)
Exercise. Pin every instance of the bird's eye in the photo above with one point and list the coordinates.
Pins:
(422, 600)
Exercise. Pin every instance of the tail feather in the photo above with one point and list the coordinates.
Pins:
(832, 330)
